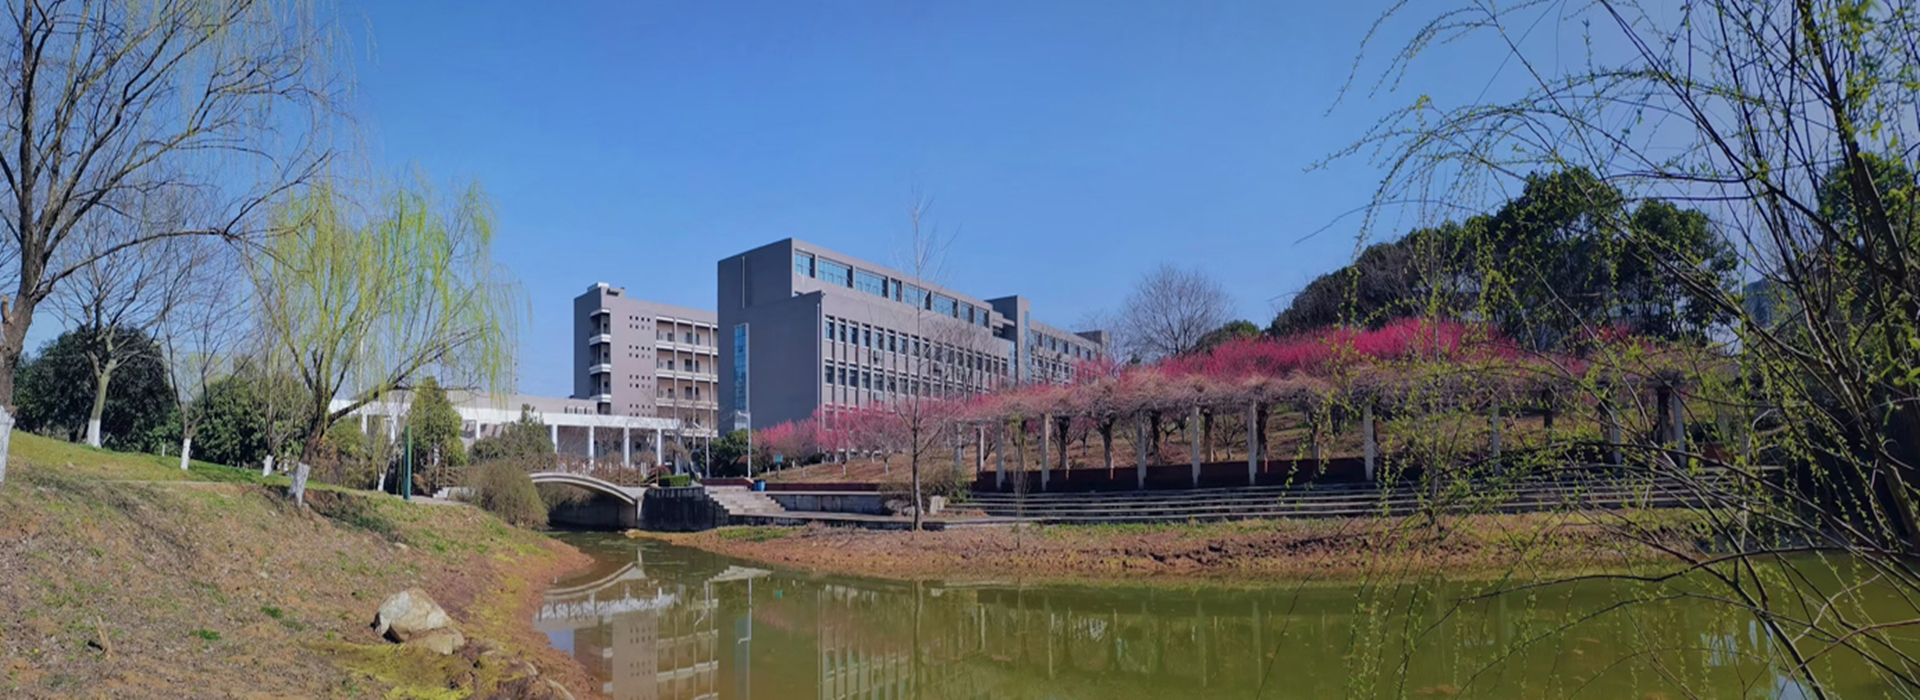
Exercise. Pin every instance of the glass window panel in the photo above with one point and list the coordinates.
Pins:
(830, 271)
(870, 283)
(803, 264)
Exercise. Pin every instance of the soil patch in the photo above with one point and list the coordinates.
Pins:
(1261, 550)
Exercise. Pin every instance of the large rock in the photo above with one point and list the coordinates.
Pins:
(408, 614)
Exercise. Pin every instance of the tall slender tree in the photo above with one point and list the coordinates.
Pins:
(359, 305)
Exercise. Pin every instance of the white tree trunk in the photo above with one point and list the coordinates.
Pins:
(266, 466)
(93, 432)
(300, 483)
(186, 452)
(382, 488)
(6, 437)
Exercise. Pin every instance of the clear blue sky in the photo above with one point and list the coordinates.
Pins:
(1070, 146)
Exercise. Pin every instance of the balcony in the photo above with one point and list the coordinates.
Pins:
(601, 368)
(597, 312)
(606, 397)
(600, 339)
(668, 373)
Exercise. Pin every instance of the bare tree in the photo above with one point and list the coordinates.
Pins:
(119, 301)
(200, 335)
(107, 102)
(1170, 311)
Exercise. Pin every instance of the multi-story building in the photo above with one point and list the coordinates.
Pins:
(640, 358)
(805, 329)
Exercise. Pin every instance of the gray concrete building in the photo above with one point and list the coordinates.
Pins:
(805, 329)
(640, 358)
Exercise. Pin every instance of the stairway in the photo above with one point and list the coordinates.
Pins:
(1346, 500)
(741, 502)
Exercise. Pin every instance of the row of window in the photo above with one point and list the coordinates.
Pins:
(1043, 341)
(883, 340)
(884, 382)
(687, 337)
(844, 275)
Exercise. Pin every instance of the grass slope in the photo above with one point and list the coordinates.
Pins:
(123, 576)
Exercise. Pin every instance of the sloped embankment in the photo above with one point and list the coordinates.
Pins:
(121, 577)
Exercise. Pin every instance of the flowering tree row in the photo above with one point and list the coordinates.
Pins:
(1409, 366)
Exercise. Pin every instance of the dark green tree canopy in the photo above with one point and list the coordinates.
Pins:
(1233, 330)
(527, 437)
(235, 411)
(55, 392)
(1548, 264)
(433, 424)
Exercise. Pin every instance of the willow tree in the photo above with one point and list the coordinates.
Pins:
(109, 101)
(363, 302)
(1793, 126)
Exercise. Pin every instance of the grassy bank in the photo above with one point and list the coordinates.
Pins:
(123, 576)
(1260, 550)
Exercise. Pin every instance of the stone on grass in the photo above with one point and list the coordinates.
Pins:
(408, 614)
(443, 641)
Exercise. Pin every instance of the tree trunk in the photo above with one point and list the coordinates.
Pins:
(186, 451)
(1106, 444)
(299, 489)
(266, 466)
(919, 504)
(99, 407)
(13, 325)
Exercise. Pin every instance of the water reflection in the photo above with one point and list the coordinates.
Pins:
(658, 622)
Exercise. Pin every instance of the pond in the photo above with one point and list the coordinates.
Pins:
(656, 622)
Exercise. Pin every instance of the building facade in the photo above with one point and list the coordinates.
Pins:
(640, 358)
(805, 329)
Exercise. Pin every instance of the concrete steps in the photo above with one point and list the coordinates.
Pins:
(1332, 501)
(740, 501)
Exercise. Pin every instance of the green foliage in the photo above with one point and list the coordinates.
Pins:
(727, 455)
(1233, 330)
(527, 437)
(241, 410)
(754, 534)
(504, 488)
(365, 297)
(433, 427)
(676, 480)
(55, 393)
(1568, 254)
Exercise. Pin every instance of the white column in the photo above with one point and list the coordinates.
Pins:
(1046, 440)
(1193, 440)
(1253, 443)
(1000, 456)
(626, 447)
(1493, 444)
(1677, 411)
(1366, 436)
(1140, 451)
(660, 451)
(590, 447)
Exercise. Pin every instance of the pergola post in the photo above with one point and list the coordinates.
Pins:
(660, 450)
(553, 433)
(1253, 443)
(1678, 434)
(1000, 457)
(1193, 437)
(1140, 450)
(1046, 440)
(1613, 433)
(979, 450)
(1493, 440)
(589, 448)
(626, 447)
(1367, 438)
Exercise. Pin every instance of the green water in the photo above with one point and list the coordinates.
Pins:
(653, 621)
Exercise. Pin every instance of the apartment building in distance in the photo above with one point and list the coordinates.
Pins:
(806, 329)
(640, 358)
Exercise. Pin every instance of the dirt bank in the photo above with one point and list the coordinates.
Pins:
(1253, 550)
(122, 577)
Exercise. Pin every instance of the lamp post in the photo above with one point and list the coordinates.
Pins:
(406, 479)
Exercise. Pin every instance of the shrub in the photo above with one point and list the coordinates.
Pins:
(674, 480)
(503, 488)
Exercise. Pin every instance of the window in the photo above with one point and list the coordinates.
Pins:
(829, 379)
(969, 314)
(915, 297)
(802, 264)
(945, 305)
(833, 272)
(870, 283)
(843, 332)
(866, 380)
(893, 385)
(843, 376)
(740, 368)
(829, 329)
(868, 343)
(893, 342)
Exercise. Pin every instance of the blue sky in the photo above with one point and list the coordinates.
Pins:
(1069, 146)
